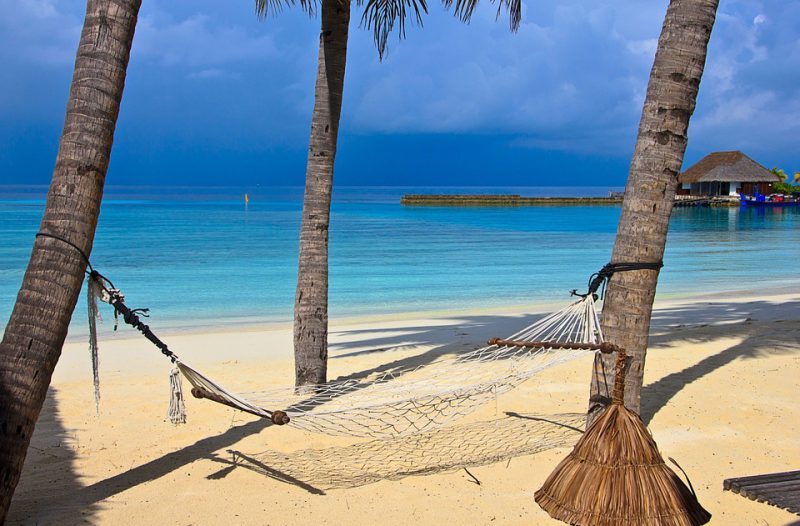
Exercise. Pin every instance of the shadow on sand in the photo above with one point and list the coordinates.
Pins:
(454, 446)
(437, 451)
(49, 475)
(762, 327)
(452, 337)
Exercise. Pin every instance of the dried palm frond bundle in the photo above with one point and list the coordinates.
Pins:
(616, 476)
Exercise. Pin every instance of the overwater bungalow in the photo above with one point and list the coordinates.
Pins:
(726, 174)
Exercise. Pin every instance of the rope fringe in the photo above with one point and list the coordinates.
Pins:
(177, 409)
(93, 293)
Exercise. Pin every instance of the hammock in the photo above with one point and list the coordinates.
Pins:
(394, 403)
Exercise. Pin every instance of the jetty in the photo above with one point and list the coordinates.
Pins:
(712, 201)
(502, 200)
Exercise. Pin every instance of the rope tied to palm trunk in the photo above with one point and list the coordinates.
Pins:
(101, 288)
(95, 290)
(601, 277)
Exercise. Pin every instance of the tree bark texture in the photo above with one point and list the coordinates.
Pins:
(38, 325)
(650, 191)
(311, 299)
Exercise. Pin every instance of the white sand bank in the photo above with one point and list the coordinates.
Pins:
(721, 397)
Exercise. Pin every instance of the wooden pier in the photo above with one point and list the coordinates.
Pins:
(508, 200)
(502, 200)
(715, 201)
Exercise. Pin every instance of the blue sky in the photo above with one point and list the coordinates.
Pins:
(216, 96)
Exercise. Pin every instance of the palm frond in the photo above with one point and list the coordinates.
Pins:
(381, 16)
(265, 8)
(463, 9)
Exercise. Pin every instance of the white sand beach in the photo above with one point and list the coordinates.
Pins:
(720, 396)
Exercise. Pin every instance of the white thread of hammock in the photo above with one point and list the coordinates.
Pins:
(402, 402)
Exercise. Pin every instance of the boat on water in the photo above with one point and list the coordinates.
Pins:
(770, 200)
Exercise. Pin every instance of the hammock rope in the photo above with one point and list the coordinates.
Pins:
(397, 402)
(402, 401)
(601, 277)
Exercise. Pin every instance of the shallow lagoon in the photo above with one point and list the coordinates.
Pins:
(200, 257)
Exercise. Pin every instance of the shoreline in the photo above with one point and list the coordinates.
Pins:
(662, 301)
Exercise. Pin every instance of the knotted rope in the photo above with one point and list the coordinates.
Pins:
(601, 277)
(100, 287)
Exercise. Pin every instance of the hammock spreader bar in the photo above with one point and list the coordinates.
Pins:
(278, 417)
(604, 347)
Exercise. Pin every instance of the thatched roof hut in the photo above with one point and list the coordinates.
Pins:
(726, 173)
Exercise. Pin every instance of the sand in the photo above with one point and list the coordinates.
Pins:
(720, 396)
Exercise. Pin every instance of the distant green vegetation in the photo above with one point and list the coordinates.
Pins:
(784, 187)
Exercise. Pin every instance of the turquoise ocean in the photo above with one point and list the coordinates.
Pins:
(199, 257)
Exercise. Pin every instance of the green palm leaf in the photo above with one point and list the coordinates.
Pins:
(383, 16)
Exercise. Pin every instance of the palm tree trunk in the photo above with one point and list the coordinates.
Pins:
(650, 191)
(37, 328)
(311, 299)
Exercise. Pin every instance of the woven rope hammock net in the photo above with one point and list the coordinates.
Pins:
(396, 403)
(400, 403)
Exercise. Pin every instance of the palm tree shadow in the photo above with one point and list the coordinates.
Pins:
(468, 331)
(713, 321)
(461, 334)
(44, 476)
(471, 331)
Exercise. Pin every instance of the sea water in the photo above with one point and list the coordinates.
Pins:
(199, 257)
